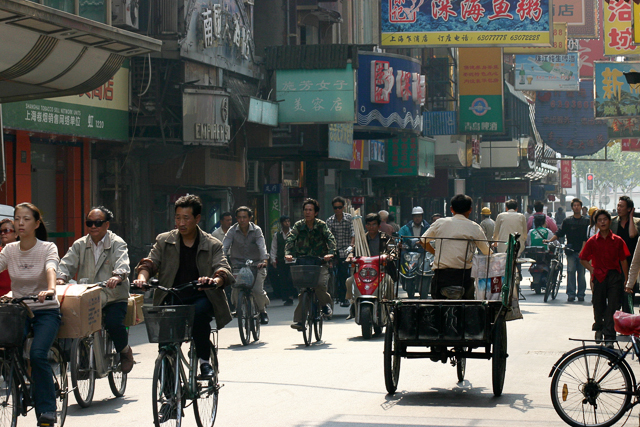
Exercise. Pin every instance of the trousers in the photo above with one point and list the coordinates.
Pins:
(607, 298)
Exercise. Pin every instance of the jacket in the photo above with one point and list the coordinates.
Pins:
(615, 222)
(164, 260)
(114, 261)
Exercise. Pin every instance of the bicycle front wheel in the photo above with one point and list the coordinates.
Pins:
(167, 403)
(117, 380)
(551, 283)
(8, 395)
(318, 319)
(590, 389)
(83, 375)
(243, 310)
(307, 312)
(255, 320)
(60, 382)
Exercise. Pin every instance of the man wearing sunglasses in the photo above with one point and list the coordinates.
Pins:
(102, 256)
(341, 226)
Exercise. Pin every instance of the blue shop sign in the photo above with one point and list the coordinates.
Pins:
(439, 123)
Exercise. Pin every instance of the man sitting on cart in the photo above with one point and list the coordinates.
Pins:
(459, 237)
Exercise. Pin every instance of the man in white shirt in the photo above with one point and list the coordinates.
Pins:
(225, 223)
(458, 237)
(510, 222)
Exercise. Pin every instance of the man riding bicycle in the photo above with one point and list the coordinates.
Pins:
(184, 255)
(102, 256)
(311, 237)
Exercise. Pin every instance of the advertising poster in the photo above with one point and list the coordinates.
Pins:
(341, 141)
(357, 159)
(618, 34)
(566, 124)
(559, 44)
(455, 23)
(614, 96)
(547, 72)
(480, 91)
(581, 17)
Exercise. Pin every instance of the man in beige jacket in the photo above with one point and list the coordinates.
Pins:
(510, 222)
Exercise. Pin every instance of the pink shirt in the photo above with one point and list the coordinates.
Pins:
(551, 224)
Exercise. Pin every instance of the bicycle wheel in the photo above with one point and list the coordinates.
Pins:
(244, 314)
(461, 365)
(558, 280)
(307, 313)
(8, 395)
(83, 374)
(318, 319)
(586, 388)
(255, 320)
(205, 405)
(499, 356)
(60, 382)
(117, 380)
(551, 283)
(167, 404)
(391, 360)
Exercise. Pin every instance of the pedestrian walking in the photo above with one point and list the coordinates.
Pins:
(510, 222)
(225, 223)
(626, 226)
(385, 227)
(487, 224)
(341, 226)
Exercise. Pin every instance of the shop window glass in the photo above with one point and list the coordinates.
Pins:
(93, 9)
(64, 5)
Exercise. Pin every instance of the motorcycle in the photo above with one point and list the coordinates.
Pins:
(539, 269)
(368, 276)
(415, 269)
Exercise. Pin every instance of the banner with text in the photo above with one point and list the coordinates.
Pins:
(614, 96)
(547, 72)
(566, 174)
(581, 17)
(559, 44)
(618, 34)
(631, 144)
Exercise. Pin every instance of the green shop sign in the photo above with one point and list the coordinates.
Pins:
(481, 114)
(316, 96)
(101, 114)
(411, 156)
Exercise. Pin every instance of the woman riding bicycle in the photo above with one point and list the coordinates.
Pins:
(32, 263)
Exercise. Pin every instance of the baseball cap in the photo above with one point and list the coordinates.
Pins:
(486, 211)
(417, 211)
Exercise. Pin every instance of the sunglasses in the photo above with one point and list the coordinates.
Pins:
(335, 208)
(7, 231)
(97, 223)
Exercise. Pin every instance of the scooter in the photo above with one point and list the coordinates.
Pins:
(368, 276)
(539, 268)
(415, 269)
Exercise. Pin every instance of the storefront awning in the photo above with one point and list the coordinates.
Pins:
(47, 53)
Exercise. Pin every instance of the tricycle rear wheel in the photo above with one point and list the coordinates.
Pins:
(499, 356)
(461, 365)
(391, 360)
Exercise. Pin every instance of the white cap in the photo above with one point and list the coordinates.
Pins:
(417, 211)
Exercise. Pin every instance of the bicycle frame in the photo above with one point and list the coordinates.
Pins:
(20, 374)
(99, 357)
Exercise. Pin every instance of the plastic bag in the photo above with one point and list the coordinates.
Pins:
(489, 271)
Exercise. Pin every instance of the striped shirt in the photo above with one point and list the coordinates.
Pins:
(342, 231)
(28, 270)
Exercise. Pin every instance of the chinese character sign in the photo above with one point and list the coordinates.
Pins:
(357, 160)
(559, 43)
(547, 72)
(614, 96)
(316, 96)
(391, 91)
(618, 35)
(581, 17)
(566, 123)
(621, 128)
(566, 174)
(341, 141)
(456, 23)
(481, 90)
(631, 144)
(402, 156)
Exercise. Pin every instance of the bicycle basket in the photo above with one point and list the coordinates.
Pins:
(305, 276)
(169, 323)
(245, 276)
(13, 319)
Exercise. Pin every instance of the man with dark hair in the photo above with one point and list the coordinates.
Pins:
(285, 287)
(605, 256)
(539, 208)
(102, 256)
(311, 237)
(225, 223)
(341, 226)
(626, 226)
(244, 241)
(510, 222)
(183, 255)
(529, 211)
(457, 238)
(575, 229)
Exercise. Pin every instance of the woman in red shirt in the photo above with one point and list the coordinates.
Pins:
(7, 235)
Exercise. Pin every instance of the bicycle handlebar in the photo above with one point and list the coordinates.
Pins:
(27, 298)
(155, 284)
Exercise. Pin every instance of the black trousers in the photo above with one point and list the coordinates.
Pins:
(114, 315)
(444, 277)
(607, 298)
(284, 279)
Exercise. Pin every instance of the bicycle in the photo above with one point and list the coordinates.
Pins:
(246, 310)
(15, 378)
(175, 378)
(556, 267)
(593, 384)
(305, 277)
(87, 364)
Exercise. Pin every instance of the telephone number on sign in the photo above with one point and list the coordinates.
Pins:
(535, 37)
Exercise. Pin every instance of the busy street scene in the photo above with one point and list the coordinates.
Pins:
(322, 213)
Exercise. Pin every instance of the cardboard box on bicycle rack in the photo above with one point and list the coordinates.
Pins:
(134, 315)
(81, 310)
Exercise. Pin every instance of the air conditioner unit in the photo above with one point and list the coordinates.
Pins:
(252, 177)
(124, 14)
(367, 187)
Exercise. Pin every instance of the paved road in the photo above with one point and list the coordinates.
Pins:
(339, 382)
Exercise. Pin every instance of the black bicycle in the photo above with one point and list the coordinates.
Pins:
(15, 378)
(305, 275)
(175, 376)
(246, 309)
(556, 269)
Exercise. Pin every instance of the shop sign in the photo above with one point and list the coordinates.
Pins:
(618, 34)
(480, 91)
(411, 156)
(614, 96)
(635, 7)
(341, 141)
(426, 158)
(558, 45)
(271, 189)
(547, 72)
(590, 51)
(439, 123)
(219, 26)
(377, 151)
(316, 96)
(454, 23)
(566, 174)
(391, 91)
(357, 200)
(566, 123)
(205, 117)
(631, 144)
(273, 214)
(621, 128)
(357, 159)
(263, 112)
(581, 17)
(101, 114)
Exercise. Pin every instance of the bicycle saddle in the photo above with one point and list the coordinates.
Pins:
(627, 324)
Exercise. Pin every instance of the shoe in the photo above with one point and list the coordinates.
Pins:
(288, 302)
(580, 299)
(599, 337)
(47, 419)
(298, 326)
(609, 345)
(126, 360)
(344, 303)
(206, 370)
(352, 312)
(234, 314)
(264, 318)
(326, 310)
(571, 299)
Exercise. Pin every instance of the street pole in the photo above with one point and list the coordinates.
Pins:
(578, 186)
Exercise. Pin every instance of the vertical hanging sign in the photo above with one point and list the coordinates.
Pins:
(566, 175)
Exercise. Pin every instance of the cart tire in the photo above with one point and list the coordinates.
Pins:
(391, 360)
(461, 366)
(499, 356)
(366, 322)
(377, 330)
